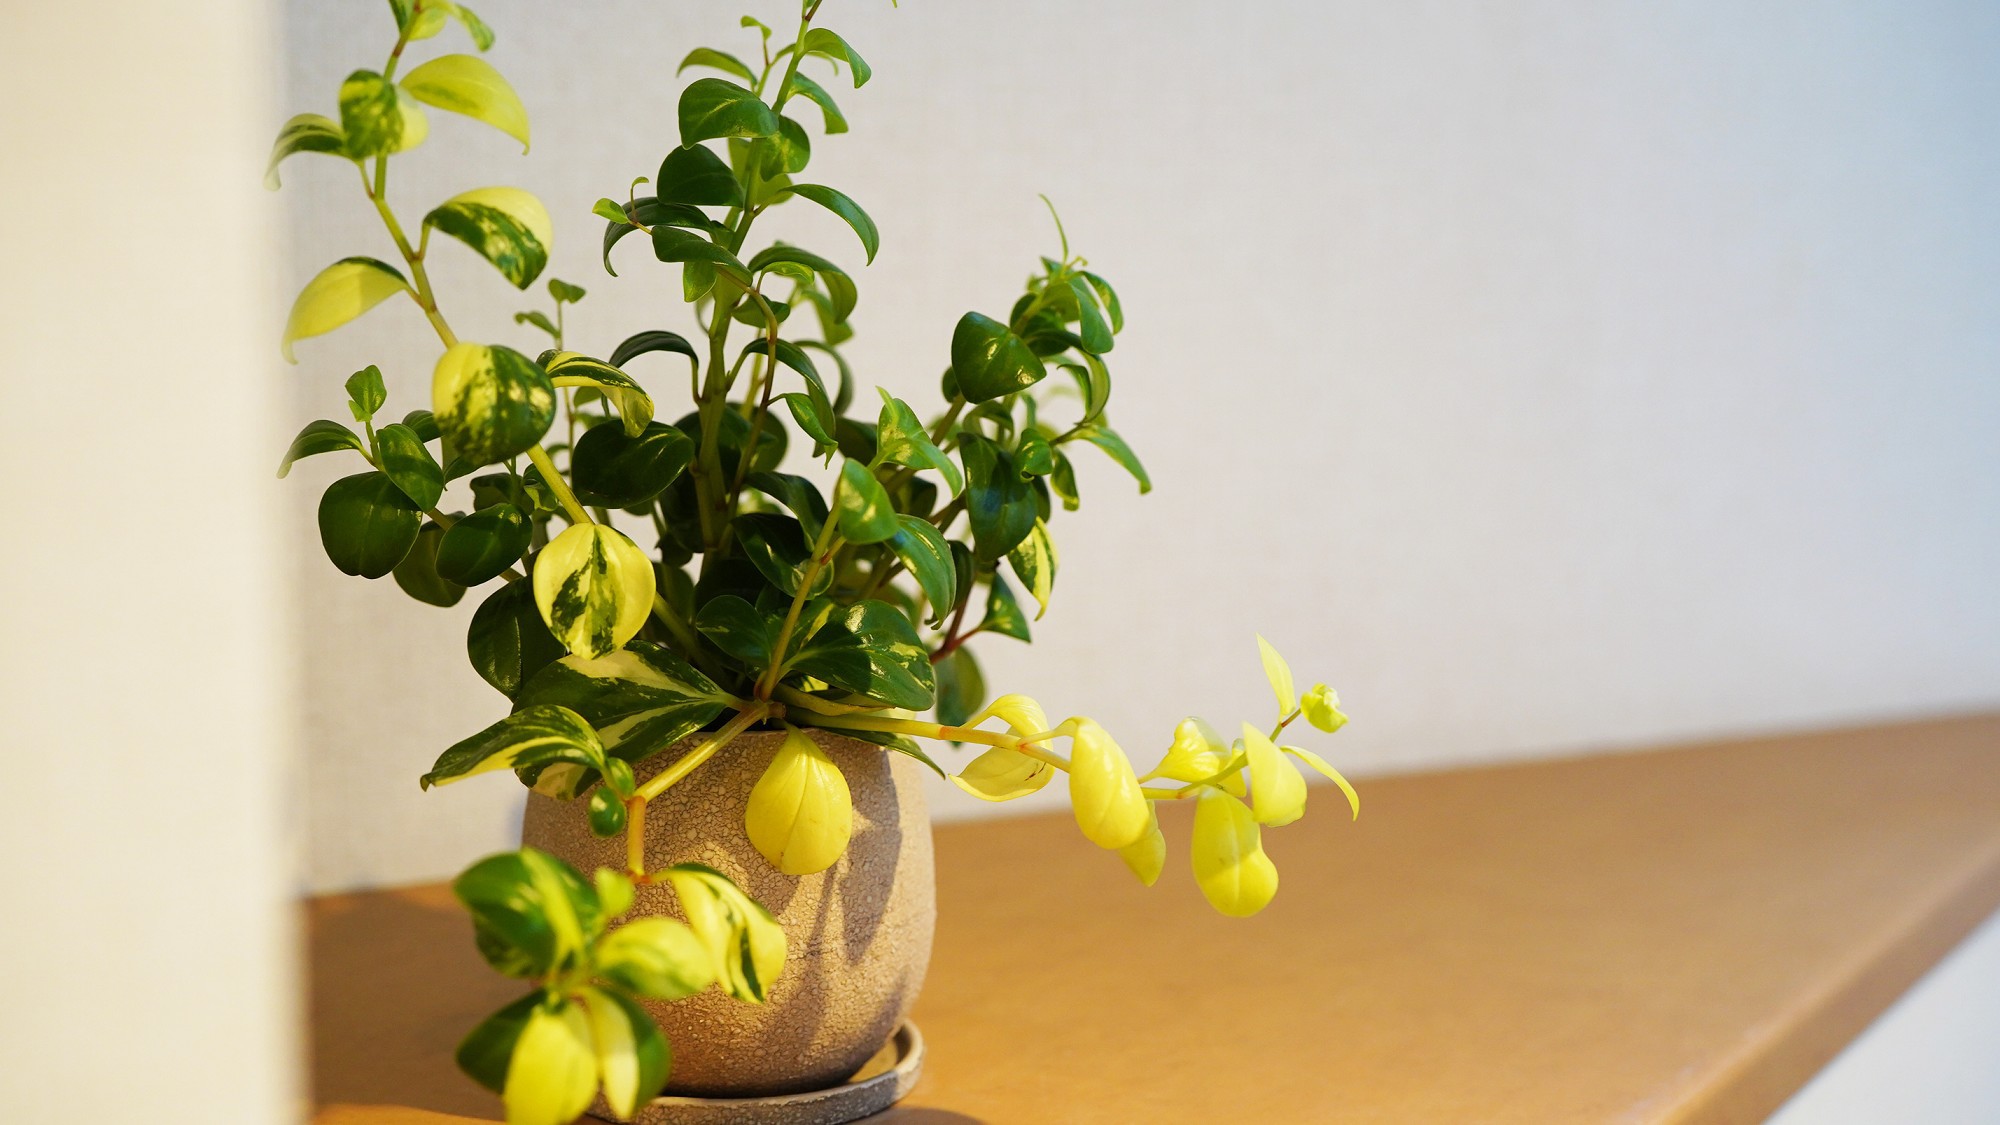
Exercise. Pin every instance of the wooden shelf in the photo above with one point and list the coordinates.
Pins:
(1679, 935)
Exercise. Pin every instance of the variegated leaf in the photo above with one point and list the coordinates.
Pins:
(640, 699)
(657, 958)
(308, 132)
(747, 943)
(507, 226)
(594, 588)
(870, 648)
(490, 402)
(533, 736)
(571, 369)
(468, 85)
(338, 294)
(375, 119)
(1034, 560)
(554, 1072)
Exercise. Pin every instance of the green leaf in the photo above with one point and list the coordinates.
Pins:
(672, 244)
(1062, 481)
(563, 293)
(632, 1055)
(714, 107)
(538, 319)
(776, 545)
(1034, 457)
(1092, 329)
(424, 423)
(1104, 438)
(866, 515)
(308, 132)
(1109, 297)
(375, 121)
(870, 648)
(796, 493)
(482, 35)
(319, 437)
(508, 642)
(1003, 613)
(814, 415)
(595, 589)
(790, 355)
(988, 360)
(826, 44)
(491, 402)
(923, 549)
(739, 629)
(836, 122)
(745, 942)
(609, 209)
(569, 369)
(367, 524)
(1093, 382)
(418, 575)
(901, 438)
(338, 294)
(655, 340)
(1035, 562)
(506, 226)
(961, 687)
(790, 151)
(718, 60)
(467, 85)
(533, 736)
(841, 293)
(410, 465)
(485, 1054)
(643, 698)
(615, 470)
(849, 211)
(998, 503)
(657, 958)
(695, 176)
(480, 547)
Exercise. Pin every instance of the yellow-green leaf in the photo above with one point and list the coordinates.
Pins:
(1322, 708)
(1199, 754)
(468, 85)
(1147, 855)
(657, 958)
(1103, 791)
(747, 943)
(375, 120)
(507, 226)
(308, 132)
(1280, 675)
(490, 402)
(632, 1055)
(1277, 792)
(1021, 713)
(800, 815)
(1333, 775)
(1001, 774)
(1034, 561)
(1230, 866)
(554, 1072)
(594, 588)
(338, 294)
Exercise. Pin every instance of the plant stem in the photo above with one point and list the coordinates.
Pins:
(942, 733)
(660, 782)
(952, 639)
(682, 633)
(823, 549)
(558, 485)
(635, 836)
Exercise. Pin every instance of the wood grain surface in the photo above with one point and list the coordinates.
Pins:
(1682, 935)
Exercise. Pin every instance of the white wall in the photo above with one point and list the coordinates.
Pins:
(143, 642)
(1546, 376)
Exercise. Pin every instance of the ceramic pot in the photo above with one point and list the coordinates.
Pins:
(858, 935)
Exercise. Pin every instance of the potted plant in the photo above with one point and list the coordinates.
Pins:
(726, 845)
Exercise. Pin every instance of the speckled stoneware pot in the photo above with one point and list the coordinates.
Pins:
(858, 935)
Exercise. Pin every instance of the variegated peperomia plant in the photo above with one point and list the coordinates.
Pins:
(841, 597)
